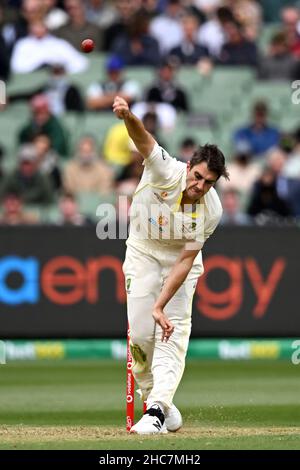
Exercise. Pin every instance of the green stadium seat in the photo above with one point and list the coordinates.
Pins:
(272, 8)
(145, 76)
(25, 82)
(266, 34)
(276, 94)
(12, 119)
(94, 73)
(233, 79)
(89, 202)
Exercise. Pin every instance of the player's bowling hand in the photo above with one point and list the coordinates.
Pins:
(120, 107)
(164, 323)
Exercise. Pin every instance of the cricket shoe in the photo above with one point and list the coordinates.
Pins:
(152, 422)
(173, 419)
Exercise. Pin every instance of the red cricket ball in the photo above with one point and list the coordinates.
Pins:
(87, 45)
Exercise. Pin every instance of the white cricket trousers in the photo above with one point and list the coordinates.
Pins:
(157, 366)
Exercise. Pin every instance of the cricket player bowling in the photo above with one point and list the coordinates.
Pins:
(174, 210)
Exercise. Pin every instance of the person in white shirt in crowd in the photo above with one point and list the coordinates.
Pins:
(211, 34)
(167, 28)
(41, 48)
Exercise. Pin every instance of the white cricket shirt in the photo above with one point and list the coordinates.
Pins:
(156, 217)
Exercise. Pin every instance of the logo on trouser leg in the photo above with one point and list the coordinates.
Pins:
(128, 284)
(139, 358)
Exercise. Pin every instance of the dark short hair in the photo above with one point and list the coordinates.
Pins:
(188, 142)
(260, 107)
(213, 157)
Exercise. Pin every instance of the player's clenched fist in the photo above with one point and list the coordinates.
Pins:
(120, 107)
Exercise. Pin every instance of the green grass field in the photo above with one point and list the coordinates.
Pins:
(81, 405)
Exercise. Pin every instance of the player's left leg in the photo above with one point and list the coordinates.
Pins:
(169, 358)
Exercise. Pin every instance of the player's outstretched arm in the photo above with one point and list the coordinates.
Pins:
(174, 280)
(142, 139)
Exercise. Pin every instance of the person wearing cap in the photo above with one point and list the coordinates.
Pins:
(43, 121)
(26, 180)
(100, 96)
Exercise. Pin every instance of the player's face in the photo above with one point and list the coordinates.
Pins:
(199, 180)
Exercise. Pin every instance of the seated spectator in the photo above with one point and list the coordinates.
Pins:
(169, 21)
(130, 175)
(259, 136)
(152, 125)
(232, 214)
(211, 34)
(47, 160)
(237, 50)
(266, 206)
(62, 94)
(116, 146)
(187, 149)
(290, 16)
(17, 26)
(69, 212)
(136, 46)
(87, 172)
(243, 173)
(32, 186)
(42, 121)
(189, 51)
(125, 9)
(278, 64)
(166, 90)
(100, 96)
(13, 212)
(249, 15)
(101, 13)
(77, 27)
(41, 48)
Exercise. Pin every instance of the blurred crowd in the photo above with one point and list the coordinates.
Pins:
(264, 186)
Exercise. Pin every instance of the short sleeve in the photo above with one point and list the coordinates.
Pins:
(211, 226)
(213, 214)
(162, 168)
(94, 90)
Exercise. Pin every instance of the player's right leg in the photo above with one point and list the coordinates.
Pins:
(142, 276)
